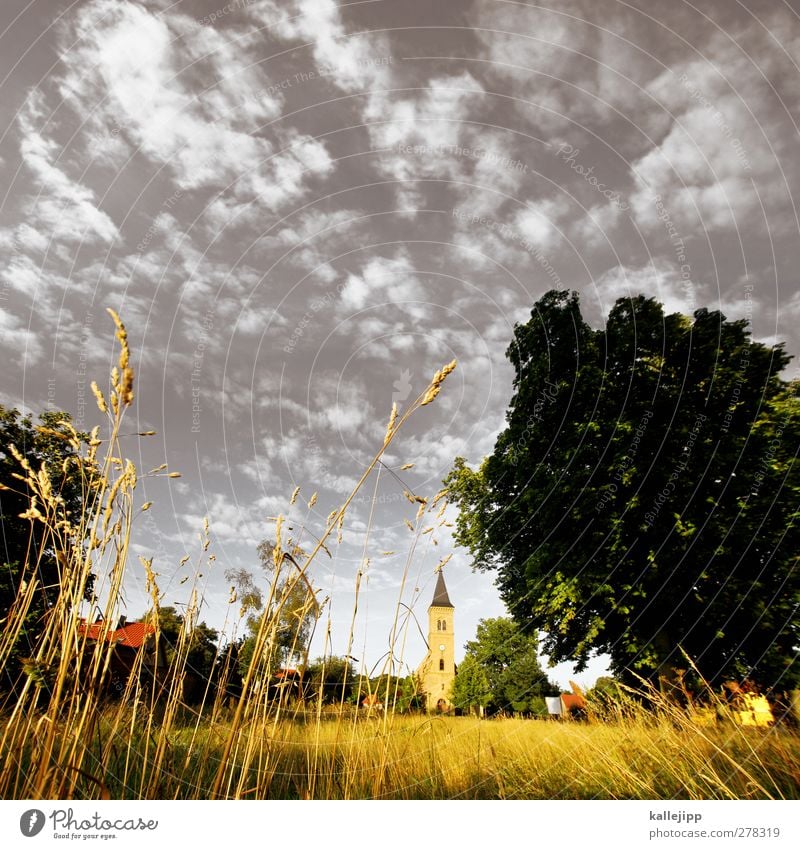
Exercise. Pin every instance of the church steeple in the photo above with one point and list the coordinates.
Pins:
(440, 597)
(438, 670)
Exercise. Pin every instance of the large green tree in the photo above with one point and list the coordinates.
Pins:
(27, 551)
(642, 499)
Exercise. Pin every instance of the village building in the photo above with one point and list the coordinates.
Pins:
(437, 671)
(127, 641)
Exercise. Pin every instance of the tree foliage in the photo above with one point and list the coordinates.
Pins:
(642, 499)
(287, 607)
(470, 691)
(26, 551)
(501, 670)
(399, 693)
(331, 679)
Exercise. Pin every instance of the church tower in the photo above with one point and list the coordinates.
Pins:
(438, 670)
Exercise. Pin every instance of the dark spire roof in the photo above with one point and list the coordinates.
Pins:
(440, 597)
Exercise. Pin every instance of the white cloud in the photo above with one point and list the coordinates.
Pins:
(64, 209)
(568, 64)
(663, 281)
(186, 97)
(22, 345)
(350, 62)
(382, 279)
(726, 151)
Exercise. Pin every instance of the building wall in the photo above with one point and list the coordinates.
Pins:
(436, 683)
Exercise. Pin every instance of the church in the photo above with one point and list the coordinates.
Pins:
(437, 672)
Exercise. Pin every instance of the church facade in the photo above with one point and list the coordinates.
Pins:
(438, 670)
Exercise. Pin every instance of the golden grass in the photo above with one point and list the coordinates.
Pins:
(418, 757)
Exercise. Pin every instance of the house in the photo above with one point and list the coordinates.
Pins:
(127, 641)
(372, 703)
(288, 683)
(567, 704)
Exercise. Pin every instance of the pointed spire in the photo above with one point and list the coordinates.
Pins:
(440, 597)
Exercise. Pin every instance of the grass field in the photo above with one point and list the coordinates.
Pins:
(416, 757)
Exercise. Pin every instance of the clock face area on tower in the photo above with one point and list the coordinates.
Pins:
(438, 670)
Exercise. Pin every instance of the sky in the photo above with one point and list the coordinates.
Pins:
(303, 209)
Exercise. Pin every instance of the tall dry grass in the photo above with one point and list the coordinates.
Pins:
(74, 742)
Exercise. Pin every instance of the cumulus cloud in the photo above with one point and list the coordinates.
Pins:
(63, 209)
(186, 97)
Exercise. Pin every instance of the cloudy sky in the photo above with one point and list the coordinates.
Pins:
(303, 208)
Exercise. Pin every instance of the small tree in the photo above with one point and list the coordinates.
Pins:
(330, 679)
(287, 609)
(470, 691)
(508, 658)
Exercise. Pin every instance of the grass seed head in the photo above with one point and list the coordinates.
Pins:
(101, 401)
(436, 383)
(390, 428)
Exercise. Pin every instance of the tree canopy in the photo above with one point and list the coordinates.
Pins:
(201, 652)
(642, 499)
(330, 679)
(288, 606)
(501, 670)
(26, 547)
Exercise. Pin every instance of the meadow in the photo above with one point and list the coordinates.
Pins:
(63, 737)
(416, 757)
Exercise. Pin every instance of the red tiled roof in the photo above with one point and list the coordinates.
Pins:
(287, 673)
(571, 701)
(132, 636)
